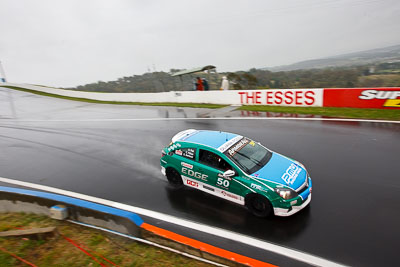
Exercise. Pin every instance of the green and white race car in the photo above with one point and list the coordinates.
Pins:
(237, 169)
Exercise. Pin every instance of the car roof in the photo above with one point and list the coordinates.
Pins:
(214, 139)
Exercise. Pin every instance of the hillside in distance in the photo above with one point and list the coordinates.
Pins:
(372, 68)
(374, 56)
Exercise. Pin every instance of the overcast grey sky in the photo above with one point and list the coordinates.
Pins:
(72, 42)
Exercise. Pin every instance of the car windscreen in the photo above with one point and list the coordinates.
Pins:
(248, 155)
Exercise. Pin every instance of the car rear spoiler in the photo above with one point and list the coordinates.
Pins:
(183, 134)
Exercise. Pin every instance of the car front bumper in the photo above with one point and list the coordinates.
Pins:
(288, 212)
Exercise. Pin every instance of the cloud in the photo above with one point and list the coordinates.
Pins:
(67, 43)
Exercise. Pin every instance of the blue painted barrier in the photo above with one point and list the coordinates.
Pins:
(77, 202)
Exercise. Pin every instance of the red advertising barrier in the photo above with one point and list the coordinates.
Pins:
(362, 97)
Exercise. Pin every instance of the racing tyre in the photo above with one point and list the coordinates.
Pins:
(259, 205)
(174, 178)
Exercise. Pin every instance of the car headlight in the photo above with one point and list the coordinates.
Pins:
(285, 193)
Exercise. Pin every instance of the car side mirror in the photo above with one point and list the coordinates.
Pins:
(229, 173)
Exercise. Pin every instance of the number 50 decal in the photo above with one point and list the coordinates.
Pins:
(222, 182)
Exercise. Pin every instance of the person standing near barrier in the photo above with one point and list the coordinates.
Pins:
(200, 86)
(194, 81)
(225, 83)
(205, 84)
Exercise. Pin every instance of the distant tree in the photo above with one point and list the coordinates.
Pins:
(235, 80)
(251, 80)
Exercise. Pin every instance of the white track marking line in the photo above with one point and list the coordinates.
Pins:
(222, 118)
(288, 252)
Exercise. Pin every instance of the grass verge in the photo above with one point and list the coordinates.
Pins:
(57, 251)
(356, 113)
(188, 105)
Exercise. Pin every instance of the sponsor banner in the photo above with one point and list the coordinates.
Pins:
(362, 97)
(282, 97)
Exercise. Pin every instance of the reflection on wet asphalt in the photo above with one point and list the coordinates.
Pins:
(353, 217)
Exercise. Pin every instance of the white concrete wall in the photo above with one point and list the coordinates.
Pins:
(283, 97)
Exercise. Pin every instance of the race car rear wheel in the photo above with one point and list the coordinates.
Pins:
(174, 178)
(258, 205)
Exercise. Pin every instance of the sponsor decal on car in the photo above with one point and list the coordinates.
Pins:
(227, 194)
(221, 175)
(208, 188)
(291, 174)
(238, 146)
(192, 183)
(256, 186)
(194, 174)
(174, 146)
(186, 165)
(228, 144)
(189, 153)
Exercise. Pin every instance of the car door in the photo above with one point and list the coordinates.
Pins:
(212, 165)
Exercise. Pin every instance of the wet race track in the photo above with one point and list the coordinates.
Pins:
(113, 152)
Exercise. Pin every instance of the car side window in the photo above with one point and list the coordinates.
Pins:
(189, 153)
(213, 160)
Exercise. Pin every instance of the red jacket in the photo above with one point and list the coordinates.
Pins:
(200, 86)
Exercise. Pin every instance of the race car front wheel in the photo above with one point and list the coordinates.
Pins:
(174, 178)
(258, 205)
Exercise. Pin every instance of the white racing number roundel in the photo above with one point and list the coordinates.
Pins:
(222, 182)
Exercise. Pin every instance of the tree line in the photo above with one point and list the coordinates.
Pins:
(377, 75)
